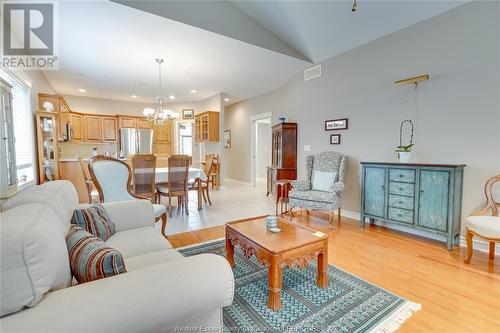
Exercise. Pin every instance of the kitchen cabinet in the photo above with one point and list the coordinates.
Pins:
(127, 122)
(426, 198)
(206, 127)
(58, 102)
(47, 146)
(162, 134)
(109, 129)
(92, 128)
(76, 121)
(144, 123)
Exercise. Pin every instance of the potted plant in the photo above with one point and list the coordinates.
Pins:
(404, 151)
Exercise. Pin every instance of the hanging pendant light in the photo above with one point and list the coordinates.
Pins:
(160, 115)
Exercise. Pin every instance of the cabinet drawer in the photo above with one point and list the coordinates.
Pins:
(402, 188)
(402, 175)
(401, 215)
(399, 201)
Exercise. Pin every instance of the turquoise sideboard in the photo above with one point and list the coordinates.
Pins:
(427, 197)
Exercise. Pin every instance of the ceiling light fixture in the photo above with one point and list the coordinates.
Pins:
(171, 97)
(160, 115)
(226, 99)
(354, 6)
(134, 96)
(82, 90)
(193, 91)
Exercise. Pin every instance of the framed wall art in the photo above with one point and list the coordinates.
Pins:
(188, 114)
(336, 124)
(335, 139)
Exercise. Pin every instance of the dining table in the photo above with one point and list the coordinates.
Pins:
(161, 176)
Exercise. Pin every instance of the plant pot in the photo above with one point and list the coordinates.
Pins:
(405, 157)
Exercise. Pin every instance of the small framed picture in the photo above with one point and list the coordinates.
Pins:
(227, 139)
(336, 124)
(188, 114)
(335, 139)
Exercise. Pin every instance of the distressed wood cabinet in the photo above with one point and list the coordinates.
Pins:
(426, 197)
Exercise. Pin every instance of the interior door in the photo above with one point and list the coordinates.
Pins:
(433, 199)
(374, 192)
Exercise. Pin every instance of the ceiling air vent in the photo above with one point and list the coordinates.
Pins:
(312, 73)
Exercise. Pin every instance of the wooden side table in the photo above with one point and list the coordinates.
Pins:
(283, 186)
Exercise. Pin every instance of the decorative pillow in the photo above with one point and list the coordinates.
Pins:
(323, 180)
(90, 258)
(95, 220)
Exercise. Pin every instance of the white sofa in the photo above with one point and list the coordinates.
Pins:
(161, 292)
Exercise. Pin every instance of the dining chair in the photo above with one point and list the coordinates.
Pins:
(143, 175)
(112, 178)
(93, 195)
(214, 176)
(482, 224)
(177, 183)
(204, 185)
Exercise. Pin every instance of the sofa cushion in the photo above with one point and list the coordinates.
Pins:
(90, 258)
(34, 258)
(94, 219)
(153, 258)
(138, 241)
(59, 195)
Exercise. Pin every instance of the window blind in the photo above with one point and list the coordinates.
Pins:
(23, 129)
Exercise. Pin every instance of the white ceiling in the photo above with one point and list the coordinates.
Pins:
(115, 47)
(322, 29)
(109, 48)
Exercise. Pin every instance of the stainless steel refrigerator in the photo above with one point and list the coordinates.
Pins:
(136, 141)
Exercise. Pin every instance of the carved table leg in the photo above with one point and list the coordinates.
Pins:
(274, 286)
(229, 252)
(322, 280)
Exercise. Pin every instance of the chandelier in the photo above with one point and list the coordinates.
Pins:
(160, 115)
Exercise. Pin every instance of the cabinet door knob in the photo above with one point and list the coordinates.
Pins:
(421, 191)
(400, 188)
(401, 202)
(401, 176)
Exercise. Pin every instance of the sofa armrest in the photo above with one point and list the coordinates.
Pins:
(154, 299)
(301, 185)
(130, 214)
(338, 187)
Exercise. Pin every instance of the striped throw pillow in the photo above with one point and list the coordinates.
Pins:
(90, 258)
(96, 220)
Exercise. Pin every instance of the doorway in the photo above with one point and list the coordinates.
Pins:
(261, 148)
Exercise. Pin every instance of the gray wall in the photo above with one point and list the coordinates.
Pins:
(458, 108)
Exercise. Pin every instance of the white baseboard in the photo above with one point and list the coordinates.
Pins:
(238, 181)
(479, 244)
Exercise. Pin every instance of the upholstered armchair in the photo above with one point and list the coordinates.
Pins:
(484, 225)
(323, 186)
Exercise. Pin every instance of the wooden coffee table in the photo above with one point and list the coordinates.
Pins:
(294, 246)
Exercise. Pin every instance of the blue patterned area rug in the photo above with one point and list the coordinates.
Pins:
(349, 304)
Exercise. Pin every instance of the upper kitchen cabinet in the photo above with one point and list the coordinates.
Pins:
(76, 121)
(92, 128)
(207, 126)
(109, 129)
(162, 134)
(57, 103)
(127, 122)
(144, 123)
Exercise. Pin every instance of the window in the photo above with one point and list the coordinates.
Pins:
(18, 126)
(186, 138)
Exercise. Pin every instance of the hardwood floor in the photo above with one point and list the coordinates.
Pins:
(455, 297)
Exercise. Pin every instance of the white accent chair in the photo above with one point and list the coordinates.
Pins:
(113, 178)
(483, 225)
(162, 291)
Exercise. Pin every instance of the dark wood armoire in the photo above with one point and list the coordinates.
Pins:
(284, 155)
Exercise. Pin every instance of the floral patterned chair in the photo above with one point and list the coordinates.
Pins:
(324, 193)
